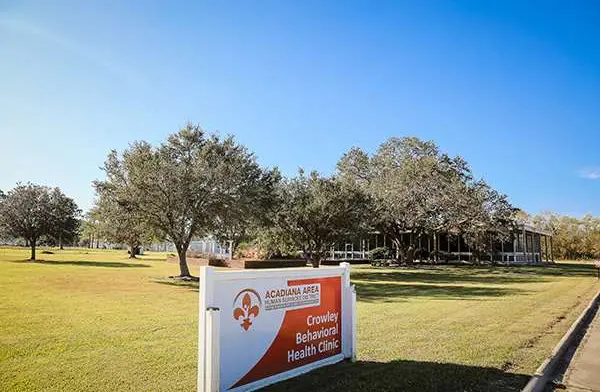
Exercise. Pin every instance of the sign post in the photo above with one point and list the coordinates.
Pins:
(258, 327)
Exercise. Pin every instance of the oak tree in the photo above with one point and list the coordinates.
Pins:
(186, 186)
(31, 211)
(487, 218)
(413, 185)
(119, 222)
(316, 212)
(65, 216)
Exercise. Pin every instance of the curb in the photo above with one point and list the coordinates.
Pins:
(540, 378)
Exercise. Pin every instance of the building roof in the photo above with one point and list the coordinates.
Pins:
(533, 229)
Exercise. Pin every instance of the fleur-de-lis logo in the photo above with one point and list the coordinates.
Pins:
(248, 308)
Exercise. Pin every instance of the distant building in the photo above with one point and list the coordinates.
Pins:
(527, 245)
(208, 247)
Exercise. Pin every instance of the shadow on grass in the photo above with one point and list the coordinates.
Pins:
(558, 269)
(394, 291)
(476, 274)
(152, 258)
(178, 283)
(455, 275)
(87, 263)
(403, 376)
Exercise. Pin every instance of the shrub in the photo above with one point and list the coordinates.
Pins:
(246, 250)
(380, 253)
(273, 244)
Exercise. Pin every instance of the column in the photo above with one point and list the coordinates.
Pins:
(437, 246)
(363, 249)
(539, 245)
(515, 243)
(428, 246)
(524, 243)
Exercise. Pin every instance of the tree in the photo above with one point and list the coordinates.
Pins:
(316, 212)
(414, 187)
(252, 210)
(90, 228)
(65, 218)
(487, 217)
(30, 211)
(184, 187)
(573, 238)
(119, 222)
(272, 242)
(3, 230)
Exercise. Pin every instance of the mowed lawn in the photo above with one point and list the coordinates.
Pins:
(91, 320)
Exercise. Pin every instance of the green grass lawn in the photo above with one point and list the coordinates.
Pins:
(90, 320)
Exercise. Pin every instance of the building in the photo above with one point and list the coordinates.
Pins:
(527, 245)
(207, 246)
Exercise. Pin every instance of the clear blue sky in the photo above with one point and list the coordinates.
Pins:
(512, 86)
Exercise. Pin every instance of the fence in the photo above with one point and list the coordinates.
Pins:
(206, 247)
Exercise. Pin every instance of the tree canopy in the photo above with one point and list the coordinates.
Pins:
(31, 211)
(487, 217)
(119, 222)
(573, 238)
(188, 186)
(315, 212)
(65, 218)
(418, 189)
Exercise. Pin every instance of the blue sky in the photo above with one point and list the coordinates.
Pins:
(512, 86)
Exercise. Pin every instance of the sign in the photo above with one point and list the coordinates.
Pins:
(272, 324)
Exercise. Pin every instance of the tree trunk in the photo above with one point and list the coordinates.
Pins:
(315, 260)
(60, 242)
(32, 243)
(183, 267)
(232, 246)
(132, 251)
(399, 248)
(410, 255)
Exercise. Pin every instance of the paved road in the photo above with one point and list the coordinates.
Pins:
(583, 373)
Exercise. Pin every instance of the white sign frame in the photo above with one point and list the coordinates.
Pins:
(210, 333)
